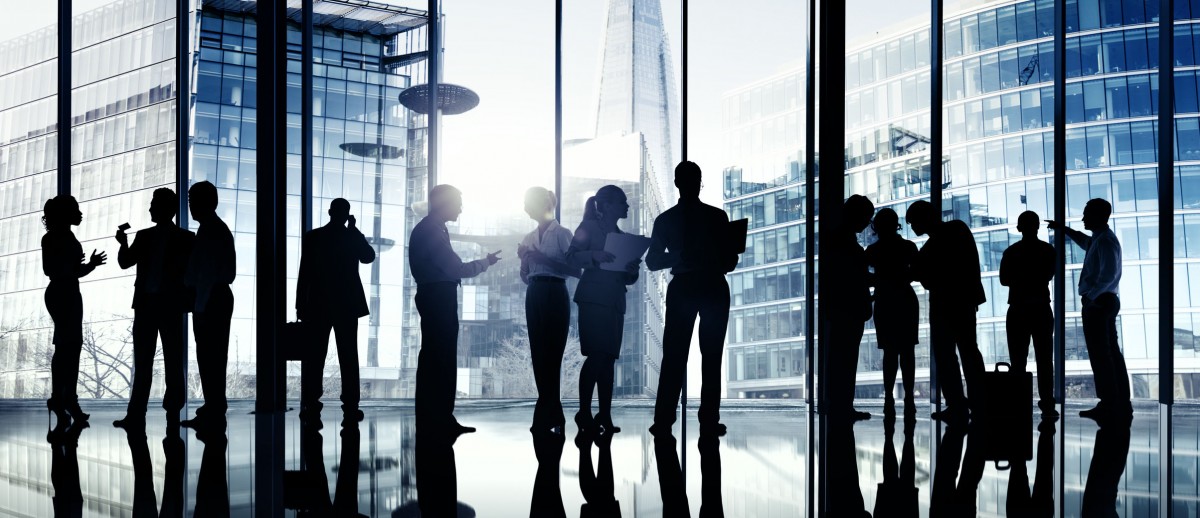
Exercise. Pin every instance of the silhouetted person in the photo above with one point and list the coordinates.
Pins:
(438, 271)
(897, 495)
(345, 492)
(64, 467)
(712, 503)
(330, 296)
(597, 484)
(160, 303)
(946, 497)
(173, 476)
(547, 500)
(600, 296)
(1039, 503)
(315, 494)
(212, 485)
(896, 309)
(211, 269)
(145, 503)
(670, 476)
(844, 495)
(1027, 268)
(544, 268)
(948, 267)
(850, 307)
(683, 240)
(1099, 290)
(62, 262)
(1104, 474)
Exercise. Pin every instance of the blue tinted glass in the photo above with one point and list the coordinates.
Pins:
(1114, 52)
(1184, 53)
(989, 68)
(987, 30)
(1076, 149)
(1073, 68)
(1089, 14)
(1134, 11)
(1185, 92)
(1119, 144)
(1142, 135)
(1097, 146)
(1117, 97)
(1027, 21)
(1135, 50)
(1006, 25)
(1089, 55)
(1075, 103)
(1139, 96)
(1187, 139)
(1110, 13)
(952, 32)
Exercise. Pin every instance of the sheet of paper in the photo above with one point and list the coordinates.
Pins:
(736, 235)
(627, 247)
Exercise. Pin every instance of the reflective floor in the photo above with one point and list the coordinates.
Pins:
(762, 467)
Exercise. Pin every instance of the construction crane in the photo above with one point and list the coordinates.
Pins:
(1027, 72)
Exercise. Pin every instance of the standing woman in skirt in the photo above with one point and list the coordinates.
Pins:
(544, 268)
(895, 306)
(62, 262)
(601, 299)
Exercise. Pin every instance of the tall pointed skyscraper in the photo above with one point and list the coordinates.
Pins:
(637, 84)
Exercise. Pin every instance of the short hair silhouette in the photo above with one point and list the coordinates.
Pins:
(857, 205)
(340, 207)
(57, 211)
(1102, 207)
(1028, 220)
(886, 220)
(921, 211)
(203, 195)
(608, 193)
(164, 200)
(687, 174)
(442, 194)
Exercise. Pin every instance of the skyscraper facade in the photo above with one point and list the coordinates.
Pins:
(998, 162)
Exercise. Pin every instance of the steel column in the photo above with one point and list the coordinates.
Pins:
(306, 115)
(1166, 252)
(937, 54)
(1060, 198)
(64, 97)
(433, 130)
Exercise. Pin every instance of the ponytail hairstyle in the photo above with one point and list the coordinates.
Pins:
(606, 194)
(57, 212)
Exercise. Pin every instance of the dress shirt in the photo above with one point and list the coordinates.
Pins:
(1101, 262)
(692, 232)
(948, 266)
(552, 243)
(432, 259)
(213, 261)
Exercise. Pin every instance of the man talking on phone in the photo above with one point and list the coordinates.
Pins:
(330, 297)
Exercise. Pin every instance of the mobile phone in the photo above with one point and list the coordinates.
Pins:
(124, 226)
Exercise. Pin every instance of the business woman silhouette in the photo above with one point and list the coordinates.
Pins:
(896, 309)
(600, 296)
(62, 262)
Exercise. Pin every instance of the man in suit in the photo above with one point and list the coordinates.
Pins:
(159, 305)
(438, 270)
(211, 269)
(682, 240)
(1027, 268)
(330, 296)
(948, 267)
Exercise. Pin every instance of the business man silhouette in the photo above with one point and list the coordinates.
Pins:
(850, 303)
(438, 270)
(1099, 290)
(948, 267)
(160, 301)
(1027, 268)
(211, 269)
(683, 240)
(330, 296)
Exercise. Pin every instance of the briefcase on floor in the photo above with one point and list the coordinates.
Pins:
(1006, 415)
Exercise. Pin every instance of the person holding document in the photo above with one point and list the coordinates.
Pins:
(682, 240)
(600, 296)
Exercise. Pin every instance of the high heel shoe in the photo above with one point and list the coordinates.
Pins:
(76, 412)
(607, 426)
(586, 424)
(59, 410)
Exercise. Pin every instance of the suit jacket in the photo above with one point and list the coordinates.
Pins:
(948, 266)
(596, 285)
(161, 254)
(328, 287)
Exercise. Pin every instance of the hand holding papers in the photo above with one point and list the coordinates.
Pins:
(626, 248)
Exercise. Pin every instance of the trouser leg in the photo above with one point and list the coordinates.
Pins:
(1018, 330)
(145, 340)
(437, 361)
(945, 360)
(1043, 352)
(212, 348)
(968, 352)
(170, 326)
(548, 311)
(677, 341)
(1108, 363)
(714, 323)
(312, 367)
(346, 334)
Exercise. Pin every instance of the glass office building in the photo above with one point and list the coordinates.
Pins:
(998, 161)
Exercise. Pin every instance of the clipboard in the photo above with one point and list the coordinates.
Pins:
(735, 235)
(626, 248)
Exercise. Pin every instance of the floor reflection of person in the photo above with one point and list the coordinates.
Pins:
(896, 309)
(670, 476)
(712, 504)
(957, 474)
(596, 484)
(1038, 503)
(544, 268)
(62, 262)
(345, 493)
(173, 476)
(1104, 475)
(547, 500)
(64, 468)
(897, 494)
(600, 296)
(212, 484)
(160, 305)
(844, 496)
(145, 503)
(437, 478)
(438, 271)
